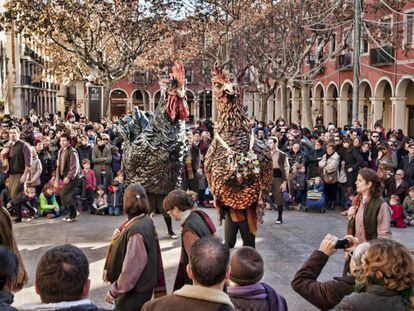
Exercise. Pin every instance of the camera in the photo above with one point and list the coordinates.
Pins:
(342, 244)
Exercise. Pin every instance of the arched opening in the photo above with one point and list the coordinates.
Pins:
(383, 92)
(405, 91)
(140, 98)
(331, 105)
(317, 103)
(119, 101)
(346, 95)
(206, 104)
(157, 97)
(365, 93)
(191, 105)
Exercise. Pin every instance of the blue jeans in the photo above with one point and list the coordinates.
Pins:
(114, 211)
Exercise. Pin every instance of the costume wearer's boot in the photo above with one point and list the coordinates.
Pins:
(279, 214)
(171, 233)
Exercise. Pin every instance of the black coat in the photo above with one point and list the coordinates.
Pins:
(85, 152)
(352, 160)
(408, 168)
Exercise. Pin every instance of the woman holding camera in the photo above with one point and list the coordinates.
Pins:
(369, 216)
(326, 295)
(385, 279)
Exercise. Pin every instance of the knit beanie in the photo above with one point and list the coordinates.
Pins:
(246, 266)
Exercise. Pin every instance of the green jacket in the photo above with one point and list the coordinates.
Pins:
(44, 205)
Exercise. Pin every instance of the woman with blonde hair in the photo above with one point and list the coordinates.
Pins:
(8, 240)
(385, 280)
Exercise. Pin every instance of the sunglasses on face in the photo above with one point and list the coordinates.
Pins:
(375, 136)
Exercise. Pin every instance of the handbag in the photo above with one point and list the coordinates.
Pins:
(342, 176)
(330, 178)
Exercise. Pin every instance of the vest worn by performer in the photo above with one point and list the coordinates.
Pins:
(66, 162)
(195, 224)
(149, 276)
(16, 158)
(280, 172)
(371, 212)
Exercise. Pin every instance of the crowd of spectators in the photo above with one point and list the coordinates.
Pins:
(324, 164)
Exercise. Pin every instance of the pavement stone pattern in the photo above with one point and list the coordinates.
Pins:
(283, 247)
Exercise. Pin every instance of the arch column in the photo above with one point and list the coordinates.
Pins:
(152, 104)
(316, 108)
(398, 113)
(361, 111)
(342, 111)
(270, 108)
(196, 107)
(377, 109)
(295, 109)
(328, 110)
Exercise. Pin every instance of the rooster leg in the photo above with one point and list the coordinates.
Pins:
(260, 208)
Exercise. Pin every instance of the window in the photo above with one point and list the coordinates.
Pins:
(333, 44)
(385, 30)
(409, 27)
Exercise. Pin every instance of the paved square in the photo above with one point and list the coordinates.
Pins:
(283, 247)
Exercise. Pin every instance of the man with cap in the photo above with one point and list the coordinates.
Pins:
(245, 290)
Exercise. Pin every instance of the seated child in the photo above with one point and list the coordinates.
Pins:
(318, 185)
(31, 203)
(408, 205)
(48, 205)
(397, 217)
(115, 199)
(100, 204)
(5, 199)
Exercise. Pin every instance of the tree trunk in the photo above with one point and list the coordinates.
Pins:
(283, 100)
(106, 92)
(306, 106)
(264, 97)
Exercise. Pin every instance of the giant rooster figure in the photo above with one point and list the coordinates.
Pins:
(238, 167)
(155, 157)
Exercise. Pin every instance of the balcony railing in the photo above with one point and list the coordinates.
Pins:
(344, 62)
(382, 56)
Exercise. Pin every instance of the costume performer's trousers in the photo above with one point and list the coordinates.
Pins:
(156, 203)
(67, 197)
(232, 227)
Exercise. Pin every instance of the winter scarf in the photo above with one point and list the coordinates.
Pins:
(258, 291)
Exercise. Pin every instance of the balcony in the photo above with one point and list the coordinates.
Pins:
(26, 80)
(344, 62)
(381, 56)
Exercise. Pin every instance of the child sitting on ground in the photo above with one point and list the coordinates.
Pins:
(408, 205)
(100, 204)
(5, 199)
(115, 199)
(48, 205)
(31, 203)
(397, 217)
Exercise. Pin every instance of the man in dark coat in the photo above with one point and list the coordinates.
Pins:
(62, 280)
(407, 164)
(68, 170)
(209, 270)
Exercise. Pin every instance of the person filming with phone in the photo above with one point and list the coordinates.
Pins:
(326, 295)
